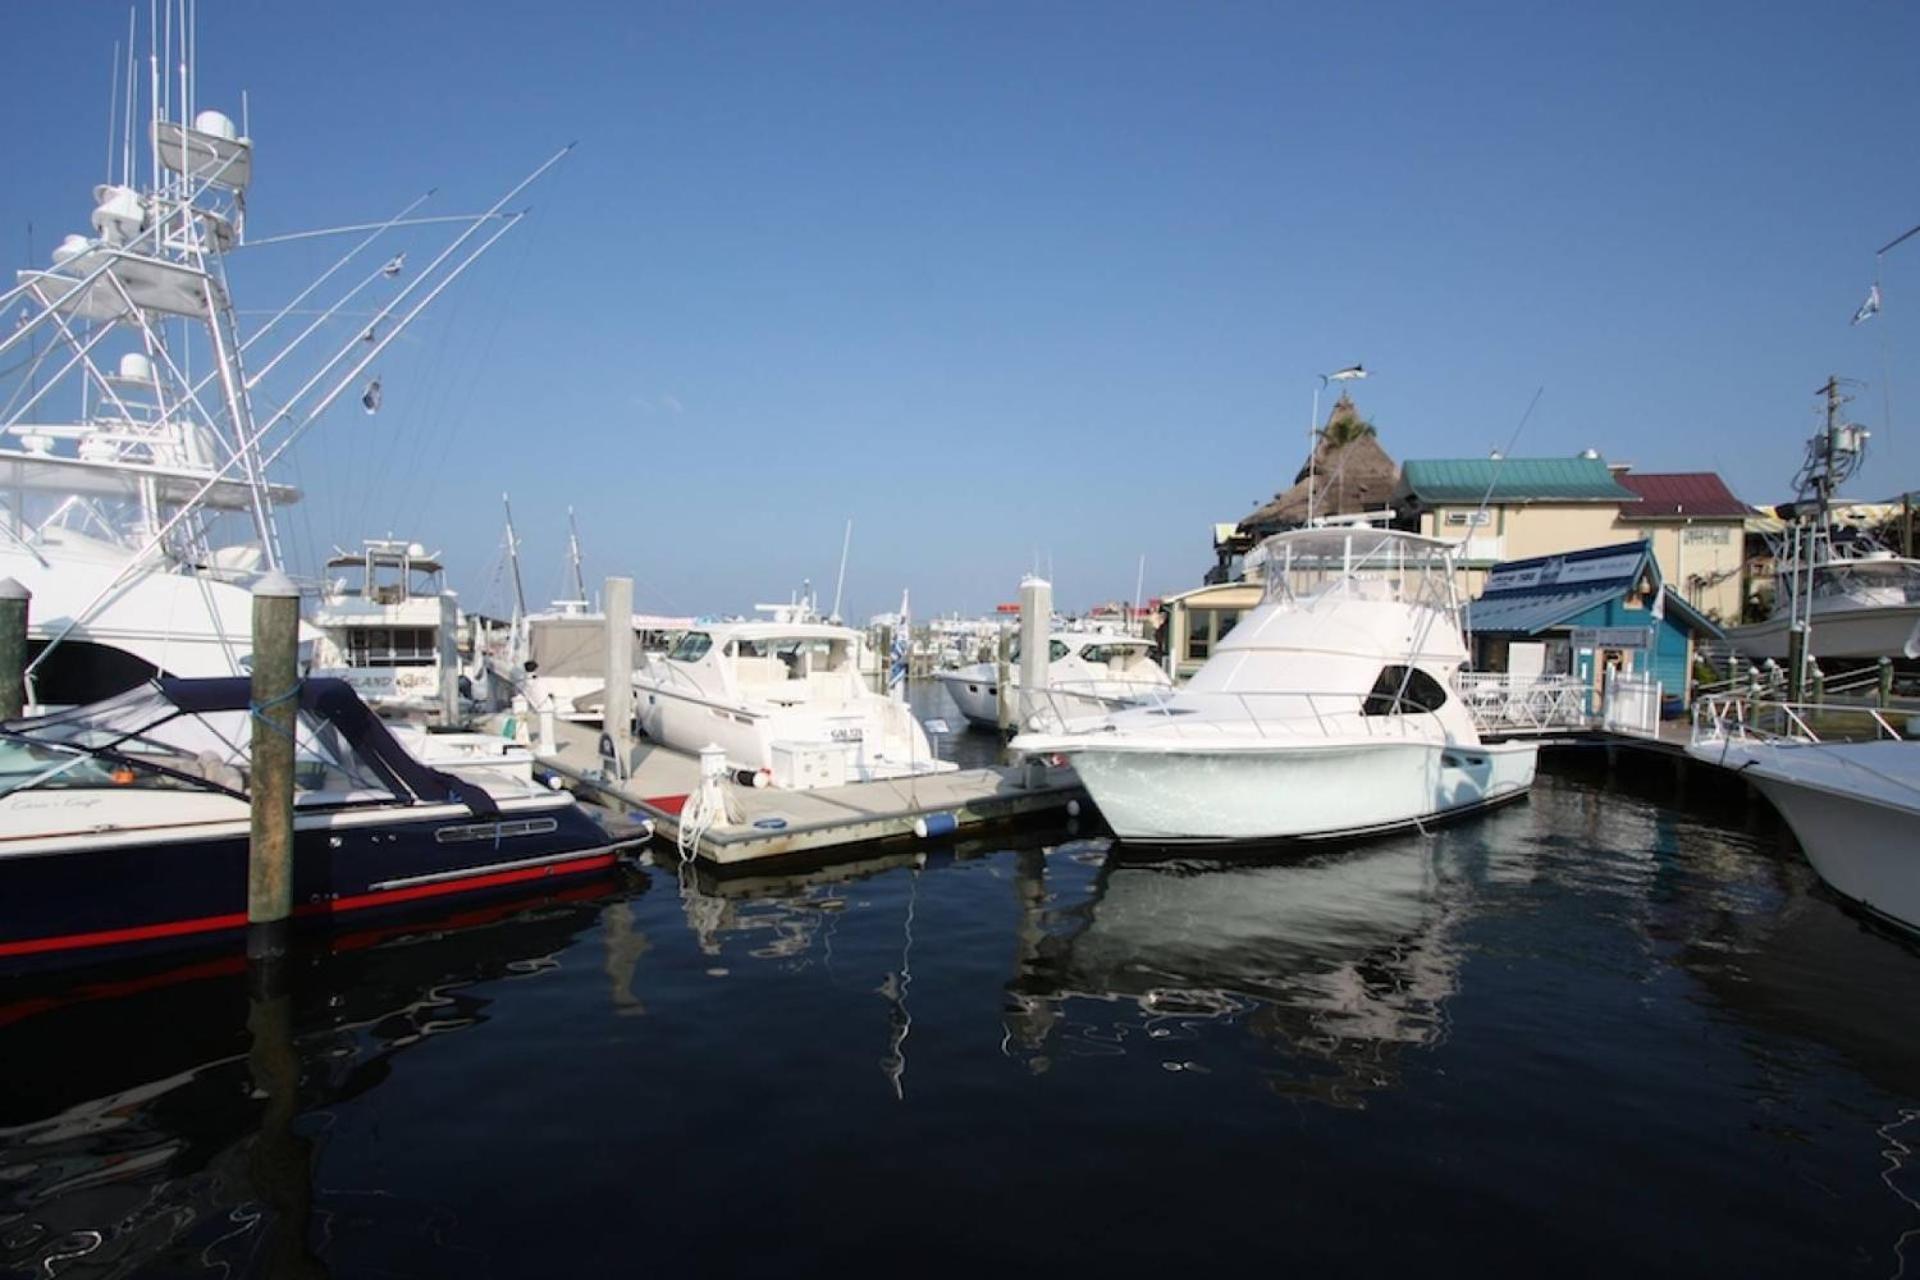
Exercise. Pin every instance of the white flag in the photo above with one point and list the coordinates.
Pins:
(1871, 307)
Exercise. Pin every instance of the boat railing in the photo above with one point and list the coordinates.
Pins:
(1737, 717)
(1268, 713)
(1509, 702)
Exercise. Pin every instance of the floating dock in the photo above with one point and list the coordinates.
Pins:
(778, 823)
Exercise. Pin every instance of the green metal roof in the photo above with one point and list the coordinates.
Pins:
(1436, 480)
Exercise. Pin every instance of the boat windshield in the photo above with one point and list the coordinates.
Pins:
(1359, 564)
(142, 739)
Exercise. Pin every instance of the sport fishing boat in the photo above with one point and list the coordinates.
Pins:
(125, 823)
(137, 502)
(1853, 805)
(1088, 672)
(787, 697)
(1855, 597)
(1327, 712)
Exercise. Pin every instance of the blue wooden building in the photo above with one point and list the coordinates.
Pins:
(1584, 613)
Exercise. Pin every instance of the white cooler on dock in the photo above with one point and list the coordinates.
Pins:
(802, 766)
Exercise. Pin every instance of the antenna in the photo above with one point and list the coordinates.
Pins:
(573, 556)
(1139, 584)
(846, 544)
(1493, 478)
(513, 559)
(133, 94)
(1500, 458)
(113, 108)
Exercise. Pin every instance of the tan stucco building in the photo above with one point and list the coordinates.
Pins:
(1518, 508)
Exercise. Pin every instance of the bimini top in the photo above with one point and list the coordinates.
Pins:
(1361, 563)
(197, 734)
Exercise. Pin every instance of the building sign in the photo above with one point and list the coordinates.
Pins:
(1477, 519)
(1710, 536)
(1558, 571)
(1006, 608)
(1611, 637)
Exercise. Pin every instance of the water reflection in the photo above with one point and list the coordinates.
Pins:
(152, 1116)
(1343, 960)
(783, 913)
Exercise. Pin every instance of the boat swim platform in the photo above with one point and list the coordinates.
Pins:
(778, 823)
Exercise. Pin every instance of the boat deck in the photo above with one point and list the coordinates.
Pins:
(779, 823)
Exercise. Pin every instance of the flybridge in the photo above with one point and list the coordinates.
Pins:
(129, 387)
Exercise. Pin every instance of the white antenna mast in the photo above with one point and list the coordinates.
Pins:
(513, 560)
(113, 108)
(846, 544)
(573, 557)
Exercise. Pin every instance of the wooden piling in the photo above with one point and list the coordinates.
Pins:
(276, 696)
(14, 601)
(616, 716)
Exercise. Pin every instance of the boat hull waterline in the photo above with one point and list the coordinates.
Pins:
(1277, 793)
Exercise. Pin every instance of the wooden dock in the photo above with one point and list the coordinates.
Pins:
(776, 823)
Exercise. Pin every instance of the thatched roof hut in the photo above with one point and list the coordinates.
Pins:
(1351, 473)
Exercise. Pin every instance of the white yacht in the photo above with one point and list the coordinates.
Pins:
(135, 498)
(1327, 712)
(390, 628)
(1853, 805)
(1854, 597)
(786, 697)
(1088, 673)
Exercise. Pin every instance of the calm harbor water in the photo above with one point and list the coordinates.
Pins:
(1612, 1030)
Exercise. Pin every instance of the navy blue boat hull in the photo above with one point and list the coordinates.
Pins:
(73, 907)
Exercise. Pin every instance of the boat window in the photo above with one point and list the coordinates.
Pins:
(1199, 644)
(1101, 654)
(1056, 650)
(392, 647)
(1404, 691)
(693, 646)
(807, 657)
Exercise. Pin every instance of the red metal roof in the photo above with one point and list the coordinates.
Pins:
(1675, 495)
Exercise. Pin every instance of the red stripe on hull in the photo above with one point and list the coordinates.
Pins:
(355, 902)
(359, 901)
(113, 937)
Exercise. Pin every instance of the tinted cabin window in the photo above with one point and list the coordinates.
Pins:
(693, 646)
(1404, 691)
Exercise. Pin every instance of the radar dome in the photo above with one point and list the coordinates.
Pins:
(215, 123)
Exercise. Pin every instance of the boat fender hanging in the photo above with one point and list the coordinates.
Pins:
(932, 825)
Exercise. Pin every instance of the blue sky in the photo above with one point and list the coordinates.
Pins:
(1018, 282)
